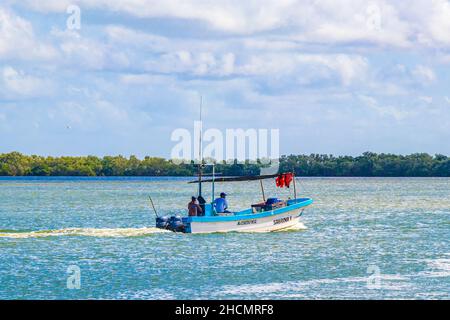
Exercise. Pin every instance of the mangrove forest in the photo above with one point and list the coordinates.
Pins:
(368, 164)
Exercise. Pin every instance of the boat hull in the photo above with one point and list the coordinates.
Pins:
(273, 222)
(279, 218)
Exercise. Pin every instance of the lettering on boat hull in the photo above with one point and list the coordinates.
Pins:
(245, 222)
(282, 220)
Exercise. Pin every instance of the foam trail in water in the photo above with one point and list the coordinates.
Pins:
(88, 232)
(296, 227)
(114, 233)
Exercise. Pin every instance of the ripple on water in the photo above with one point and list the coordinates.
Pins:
(399, 225)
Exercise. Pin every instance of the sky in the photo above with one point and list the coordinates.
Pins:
(335, 77)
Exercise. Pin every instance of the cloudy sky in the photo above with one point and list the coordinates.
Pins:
(339, 77)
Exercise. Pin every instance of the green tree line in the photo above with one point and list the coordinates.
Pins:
(368, 164)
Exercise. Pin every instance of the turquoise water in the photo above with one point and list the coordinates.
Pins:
(365, 238)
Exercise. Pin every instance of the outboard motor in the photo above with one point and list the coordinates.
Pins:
(176, 224)
(162, 222)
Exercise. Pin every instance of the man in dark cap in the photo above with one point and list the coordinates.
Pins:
(221, 204)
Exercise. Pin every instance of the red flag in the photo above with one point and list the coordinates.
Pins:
(288, 177)
(280, 181)
(284, 180)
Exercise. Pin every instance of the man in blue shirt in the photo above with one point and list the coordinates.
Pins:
(221, 204)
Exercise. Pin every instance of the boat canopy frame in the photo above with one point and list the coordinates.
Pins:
(236, 179)
(244, 178)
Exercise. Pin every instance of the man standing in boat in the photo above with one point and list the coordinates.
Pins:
(221, 204)
(194, 208)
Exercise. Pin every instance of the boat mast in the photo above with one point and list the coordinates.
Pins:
(213, 180)
(200, 152)
(293, 178)
(262, 190)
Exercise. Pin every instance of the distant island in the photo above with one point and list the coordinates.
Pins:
(368, 164)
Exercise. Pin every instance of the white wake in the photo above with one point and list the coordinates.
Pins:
(88, 232)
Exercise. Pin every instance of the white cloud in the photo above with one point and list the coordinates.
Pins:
(380, 22)
(430, 21)
(349, 21)
(228, 63)
(333, 64)
(426, 99)
(424, 74)
(123, 36)
(348, 67)
(17, 39)
(447, 99)
(306, 67)
(83, 52)
(396, 112)
(17, 83)
(232, 57)
(229, 15)
(80, 51)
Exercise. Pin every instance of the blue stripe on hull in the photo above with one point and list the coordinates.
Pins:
(247, 214)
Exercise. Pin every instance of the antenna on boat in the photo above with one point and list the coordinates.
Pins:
(153, 206)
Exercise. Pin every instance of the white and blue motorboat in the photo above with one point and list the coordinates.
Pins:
(269, 215)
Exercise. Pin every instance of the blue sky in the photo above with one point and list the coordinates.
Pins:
(339, 77)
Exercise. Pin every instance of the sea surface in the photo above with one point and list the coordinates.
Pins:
(93, 238)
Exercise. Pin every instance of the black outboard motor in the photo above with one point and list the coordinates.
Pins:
(176, 224)
(162, 222)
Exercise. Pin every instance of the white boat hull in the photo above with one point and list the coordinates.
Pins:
(269, 223)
